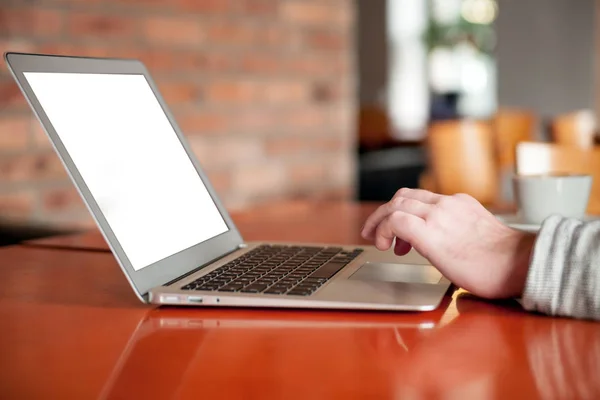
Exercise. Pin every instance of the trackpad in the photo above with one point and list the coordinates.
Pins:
(409, 273)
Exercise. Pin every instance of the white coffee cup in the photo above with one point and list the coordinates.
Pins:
(540, 196)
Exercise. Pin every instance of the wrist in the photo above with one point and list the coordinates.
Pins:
(521, 250)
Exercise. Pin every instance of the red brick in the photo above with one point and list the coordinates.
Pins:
(14, 133)
(317, 65)
(39, 137)
(176, 93)
(236, 34)
(325, 92)
(170, 61)
(342, 170)
(15, 44)
(220, 180)
(264, 8)
(32, 167)
(205, 61)
(305, 118)
(205, 6)
(254, 120)
(202, 122)
(284, 92)
(173, 31)
(261, 63)
(61, 199)
(230, 34)
(308, 173)
(11, 96)
(328, 41)
(246, 91)
(17, 205)
(82, 50)
(32, 21)
(69, 49)
(315, 12)
(343, 118)
(230, 91)
(297, 145)
(259, 179)
(216, 153)
(158, 60)
(154, 5)
(102, 26)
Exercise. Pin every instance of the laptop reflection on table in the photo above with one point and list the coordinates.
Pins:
(172, 351)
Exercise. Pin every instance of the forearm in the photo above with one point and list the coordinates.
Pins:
(564, 272)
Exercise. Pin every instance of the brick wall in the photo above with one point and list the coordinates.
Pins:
(263, 89)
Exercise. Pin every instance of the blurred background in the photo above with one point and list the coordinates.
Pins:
(329, 99)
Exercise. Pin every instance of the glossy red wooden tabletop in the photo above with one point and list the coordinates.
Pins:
(72, 328)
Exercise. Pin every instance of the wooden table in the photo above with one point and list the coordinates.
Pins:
(72, 328)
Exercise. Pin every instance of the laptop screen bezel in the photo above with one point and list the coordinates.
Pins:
(169, 268)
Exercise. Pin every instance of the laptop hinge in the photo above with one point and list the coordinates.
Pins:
(240, 247)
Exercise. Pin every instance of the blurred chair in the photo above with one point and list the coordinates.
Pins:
(577, 128)
(461, 159)
(546, 158)
(373, 128)
(511, 126)
(426, 181)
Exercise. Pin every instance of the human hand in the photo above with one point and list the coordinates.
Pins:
(468, 245)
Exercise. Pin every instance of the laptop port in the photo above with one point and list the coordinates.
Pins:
(194, 299)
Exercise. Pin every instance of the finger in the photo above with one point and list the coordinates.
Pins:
(401, 248)
(422, 195)
(404, 226)
(411, 206)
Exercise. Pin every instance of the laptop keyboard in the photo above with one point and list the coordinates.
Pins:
(273, 269)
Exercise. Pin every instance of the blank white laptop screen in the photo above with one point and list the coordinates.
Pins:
(132, 161)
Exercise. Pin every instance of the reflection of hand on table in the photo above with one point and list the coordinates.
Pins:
(564, 356)
(494, 350)
(466, 358)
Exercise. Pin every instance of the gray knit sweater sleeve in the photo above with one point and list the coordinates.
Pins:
(564, 271)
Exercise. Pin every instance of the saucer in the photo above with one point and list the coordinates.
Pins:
(516, 222)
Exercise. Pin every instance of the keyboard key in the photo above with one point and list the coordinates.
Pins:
(250, 290)
(328, 270)
(255, 286)
(244, 281)
(306, 285)
(269, 277)
(207, 287)
(298, 293)
(315, 280)
(228, 289)
(275, 291)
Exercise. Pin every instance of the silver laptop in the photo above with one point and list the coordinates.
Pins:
(162, 219)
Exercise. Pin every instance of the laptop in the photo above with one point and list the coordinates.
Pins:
(163, 220)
